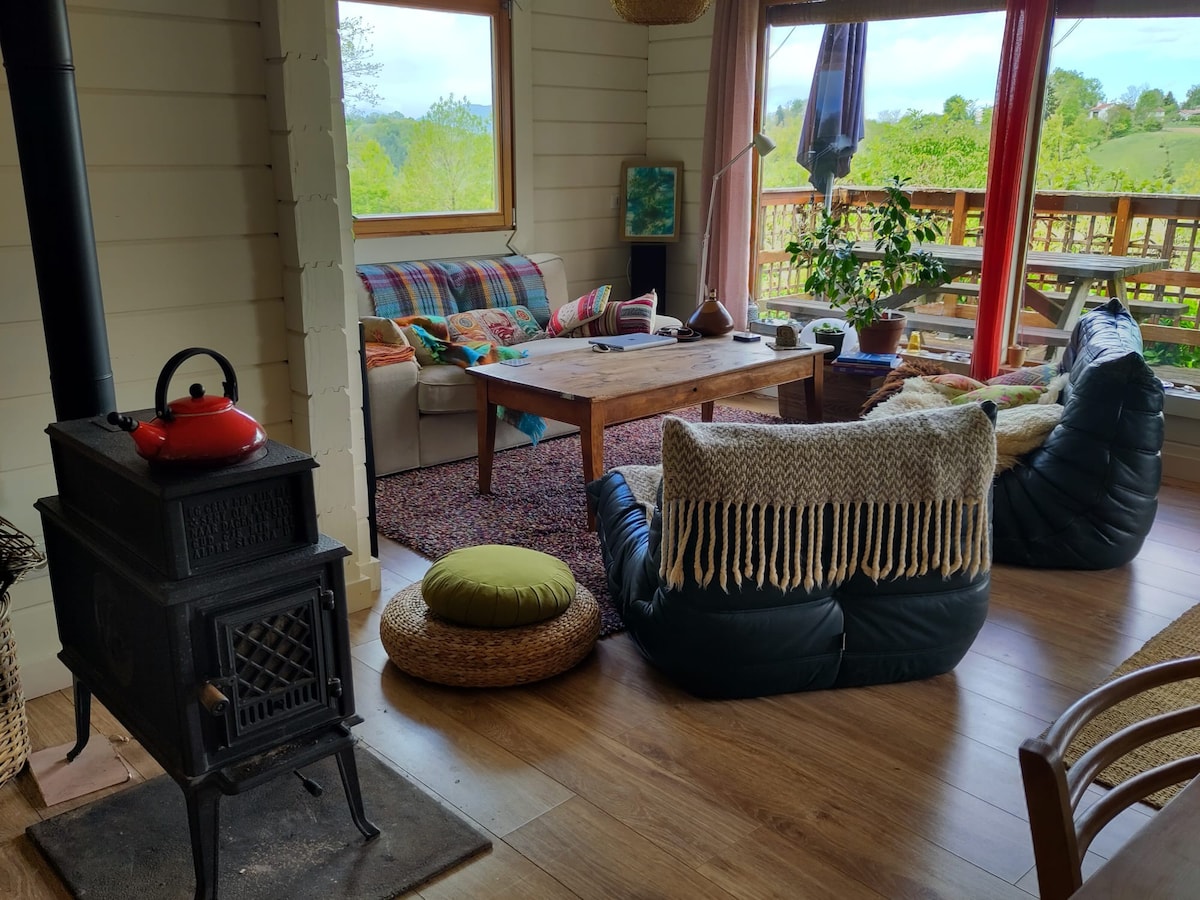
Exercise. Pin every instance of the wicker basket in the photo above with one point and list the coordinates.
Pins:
(14, 728)
(18, 554)
(661, 12)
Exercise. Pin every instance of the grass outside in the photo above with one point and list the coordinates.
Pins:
(1144, 154)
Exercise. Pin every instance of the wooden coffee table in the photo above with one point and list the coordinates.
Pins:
(593, 390)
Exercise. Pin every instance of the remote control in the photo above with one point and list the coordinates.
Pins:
(515, 362)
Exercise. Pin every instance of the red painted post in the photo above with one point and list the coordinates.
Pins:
(1016, 119)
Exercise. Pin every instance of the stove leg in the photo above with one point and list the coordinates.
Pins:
(83, 718)
(203, 807)
(348, 769)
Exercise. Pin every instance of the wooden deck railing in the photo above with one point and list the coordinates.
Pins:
(1157, 225)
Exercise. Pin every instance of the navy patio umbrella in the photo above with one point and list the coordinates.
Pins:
(833, 119)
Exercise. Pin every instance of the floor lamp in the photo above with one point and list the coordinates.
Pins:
(761, 145)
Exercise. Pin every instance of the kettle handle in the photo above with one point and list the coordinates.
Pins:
(164, 378)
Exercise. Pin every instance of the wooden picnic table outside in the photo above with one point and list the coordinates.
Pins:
(803, 310)
(1080, 270)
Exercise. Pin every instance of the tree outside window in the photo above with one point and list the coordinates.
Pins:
(427, 130)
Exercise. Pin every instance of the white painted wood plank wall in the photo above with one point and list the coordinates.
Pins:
(589, 114)
(677, 92)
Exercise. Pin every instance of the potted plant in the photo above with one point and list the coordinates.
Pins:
(833, 335)
(858, 287)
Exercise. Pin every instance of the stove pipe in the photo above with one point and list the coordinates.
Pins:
(36, 48)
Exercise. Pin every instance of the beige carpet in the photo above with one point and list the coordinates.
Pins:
(1180, 638)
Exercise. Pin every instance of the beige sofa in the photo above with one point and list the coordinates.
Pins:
(425, 415)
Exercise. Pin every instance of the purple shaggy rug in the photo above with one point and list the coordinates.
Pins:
(537, 500)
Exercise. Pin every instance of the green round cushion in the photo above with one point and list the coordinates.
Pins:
(494, 586)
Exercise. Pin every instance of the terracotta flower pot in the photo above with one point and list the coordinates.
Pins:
(882, 335)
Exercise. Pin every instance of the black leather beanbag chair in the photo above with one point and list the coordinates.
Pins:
(1087, 497)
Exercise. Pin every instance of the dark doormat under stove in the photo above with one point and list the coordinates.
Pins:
(276, 840)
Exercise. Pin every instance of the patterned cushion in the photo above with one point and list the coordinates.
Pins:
(1005, 396)
(506, 325)
(570, 316)
(378, 330)
(1027, 375)
(487, 283)
(634, 316)
(952, 384)
(408, 289)
(466, 326)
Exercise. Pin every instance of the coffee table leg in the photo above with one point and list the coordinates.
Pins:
(814, 390)
(591, 439)
(706, 410)
(485, 415)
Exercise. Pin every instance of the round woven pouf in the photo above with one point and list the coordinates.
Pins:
(421, 644)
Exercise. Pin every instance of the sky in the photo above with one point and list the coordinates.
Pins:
(918, 63)
(911, 64)
(426, 55)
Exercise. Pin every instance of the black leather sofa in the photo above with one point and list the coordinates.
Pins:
(756, 641)
(1087, 497)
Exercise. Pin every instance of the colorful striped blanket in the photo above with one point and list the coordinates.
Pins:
(408, 289)
(434, 334)
(444, 288)
(488, 283)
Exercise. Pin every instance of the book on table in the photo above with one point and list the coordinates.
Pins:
(637, 341)
(866, 363)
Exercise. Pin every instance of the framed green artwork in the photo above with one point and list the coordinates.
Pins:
(651, 197)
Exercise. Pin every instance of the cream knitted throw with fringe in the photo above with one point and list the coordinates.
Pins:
(906, 495)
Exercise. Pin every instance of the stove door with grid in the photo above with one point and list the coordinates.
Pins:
(277, 667)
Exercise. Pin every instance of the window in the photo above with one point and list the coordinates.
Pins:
(427, 94)
(1107, 153)
(929, 123)
(1121, 132)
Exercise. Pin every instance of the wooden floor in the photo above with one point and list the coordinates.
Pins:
(609, 782)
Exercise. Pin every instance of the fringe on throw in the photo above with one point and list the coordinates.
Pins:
(810, 506)
(783, 548)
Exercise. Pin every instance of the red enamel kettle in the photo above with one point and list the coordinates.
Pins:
(197, 430)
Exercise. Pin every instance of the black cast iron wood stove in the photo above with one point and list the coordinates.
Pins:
(204, 609)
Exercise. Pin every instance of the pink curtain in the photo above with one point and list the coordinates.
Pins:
(729, 127)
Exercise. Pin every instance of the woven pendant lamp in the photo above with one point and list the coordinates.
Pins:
(660, 12)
